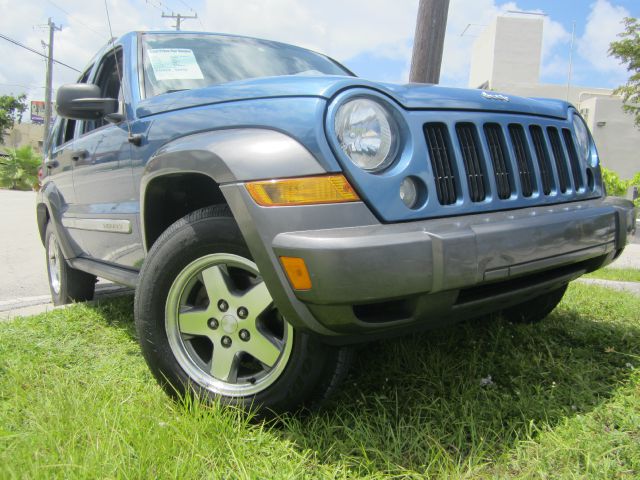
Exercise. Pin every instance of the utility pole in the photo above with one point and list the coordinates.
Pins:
(178, 18)
(429, 41)
(48, 89)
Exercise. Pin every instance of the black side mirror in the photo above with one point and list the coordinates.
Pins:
(82, 101)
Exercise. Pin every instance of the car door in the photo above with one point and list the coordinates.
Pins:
(102, 176)
(59, 166)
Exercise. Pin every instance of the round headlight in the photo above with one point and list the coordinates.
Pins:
(582, 135)
(367, 133)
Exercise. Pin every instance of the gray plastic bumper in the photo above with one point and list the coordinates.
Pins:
(369, 279)
(370, 263)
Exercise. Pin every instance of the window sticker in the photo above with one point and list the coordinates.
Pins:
(174, 64)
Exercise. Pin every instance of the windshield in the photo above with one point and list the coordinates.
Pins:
(186, 61)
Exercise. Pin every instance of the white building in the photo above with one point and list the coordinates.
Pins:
(506, 57)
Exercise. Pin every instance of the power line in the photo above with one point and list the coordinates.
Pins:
(15, 42)
(80, 22)
(187, 5)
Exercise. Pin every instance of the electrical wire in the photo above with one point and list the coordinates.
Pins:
(15, 42)
(80, 22)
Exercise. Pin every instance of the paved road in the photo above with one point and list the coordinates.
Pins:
(23, 270)
(24, 287)
(23, 274)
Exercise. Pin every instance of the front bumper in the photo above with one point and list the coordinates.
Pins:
(369, 279)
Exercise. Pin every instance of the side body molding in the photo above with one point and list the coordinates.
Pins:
(229, 156)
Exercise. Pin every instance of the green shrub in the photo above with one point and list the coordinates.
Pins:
(618, 187)
(19, 169)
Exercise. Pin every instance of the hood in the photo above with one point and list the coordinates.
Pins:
(410, 96)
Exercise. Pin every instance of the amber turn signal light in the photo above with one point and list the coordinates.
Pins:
(297, 272)
(302, 191)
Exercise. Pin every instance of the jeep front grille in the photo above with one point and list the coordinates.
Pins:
(560, 158)
(542, 154)
(573, 156)
(499, 159)
(442, 162)
(521, 159)
(471, 155)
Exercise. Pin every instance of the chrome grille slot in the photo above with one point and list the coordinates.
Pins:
(442, 162)
(499, 159)
(542, 154)
(523, 159)
(573, 159)
(560, 159)
(471, 155)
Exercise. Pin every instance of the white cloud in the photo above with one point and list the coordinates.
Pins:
(341, 29)
(603, 25)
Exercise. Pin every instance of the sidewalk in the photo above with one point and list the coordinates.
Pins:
(630, 258)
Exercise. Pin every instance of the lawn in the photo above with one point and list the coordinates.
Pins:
(620, 274)
(479, 400)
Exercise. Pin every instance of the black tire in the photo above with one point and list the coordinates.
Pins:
(310, 373)
(67, 285)
(536, 309)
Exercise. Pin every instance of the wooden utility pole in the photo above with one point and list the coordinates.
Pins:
(178, 18)
(49, 81)
(429, 41)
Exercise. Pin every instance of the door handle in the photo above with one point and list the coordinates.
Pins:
(78, 155)
(51, 164)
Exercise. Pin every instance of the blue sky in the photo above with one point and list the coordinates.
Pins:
(372, 37)
(563, 13)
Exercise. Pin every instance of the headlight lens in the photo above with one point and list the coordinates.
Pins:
(367, 133)
(582, 135)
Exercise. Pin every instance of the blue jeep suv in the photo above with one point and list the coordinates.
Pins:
(271, 209)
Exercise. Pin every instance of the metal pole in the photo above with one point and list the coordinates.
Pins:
(179, 17)
(573, 36)
(429, 41)
(49, 82)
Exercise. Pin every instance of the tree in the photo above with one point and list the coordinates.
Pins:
(19, 170)
(11, 110)
(627, 51)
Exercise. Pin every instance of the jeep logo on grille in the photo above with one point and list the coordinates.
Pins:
(495, 96)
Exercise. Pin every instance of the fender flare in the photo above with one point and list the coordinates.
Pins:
(229, 156)
(49, 208)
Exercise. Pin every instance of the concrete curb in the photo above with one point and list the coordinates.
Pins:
(631, 287)
(27, 306)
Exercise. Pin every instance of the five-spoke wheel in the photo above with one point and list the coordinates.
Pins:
(222, 327)
(208, 325)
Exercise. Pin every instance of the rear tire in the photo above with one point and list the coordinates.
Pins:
(207, 324)
(67, 285)
(536, 309)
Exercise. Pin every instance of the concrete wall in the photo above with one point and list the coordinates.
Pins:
(509, 48)
(482, 56)
(25, 134)
(617, 138)
(506, 58)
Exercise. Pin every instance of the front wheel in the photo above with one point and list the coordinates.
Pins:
(536, 309)
(207, 322)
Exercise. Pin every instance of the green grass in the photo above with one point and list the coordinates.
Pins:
(620, 274)
(77, 401)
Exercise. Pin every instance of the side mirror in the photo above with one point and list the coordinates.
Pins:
(82, 101)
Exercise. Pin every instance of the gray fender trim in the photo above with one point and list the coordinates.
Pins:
(233, 155)
(52, 200)
(228, 156)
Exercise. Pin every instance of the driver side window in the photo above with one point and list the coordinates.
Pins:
(108, 78)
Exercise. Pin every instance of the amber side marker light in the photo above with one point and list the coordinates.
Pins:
(297, 272)
(302, 191)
